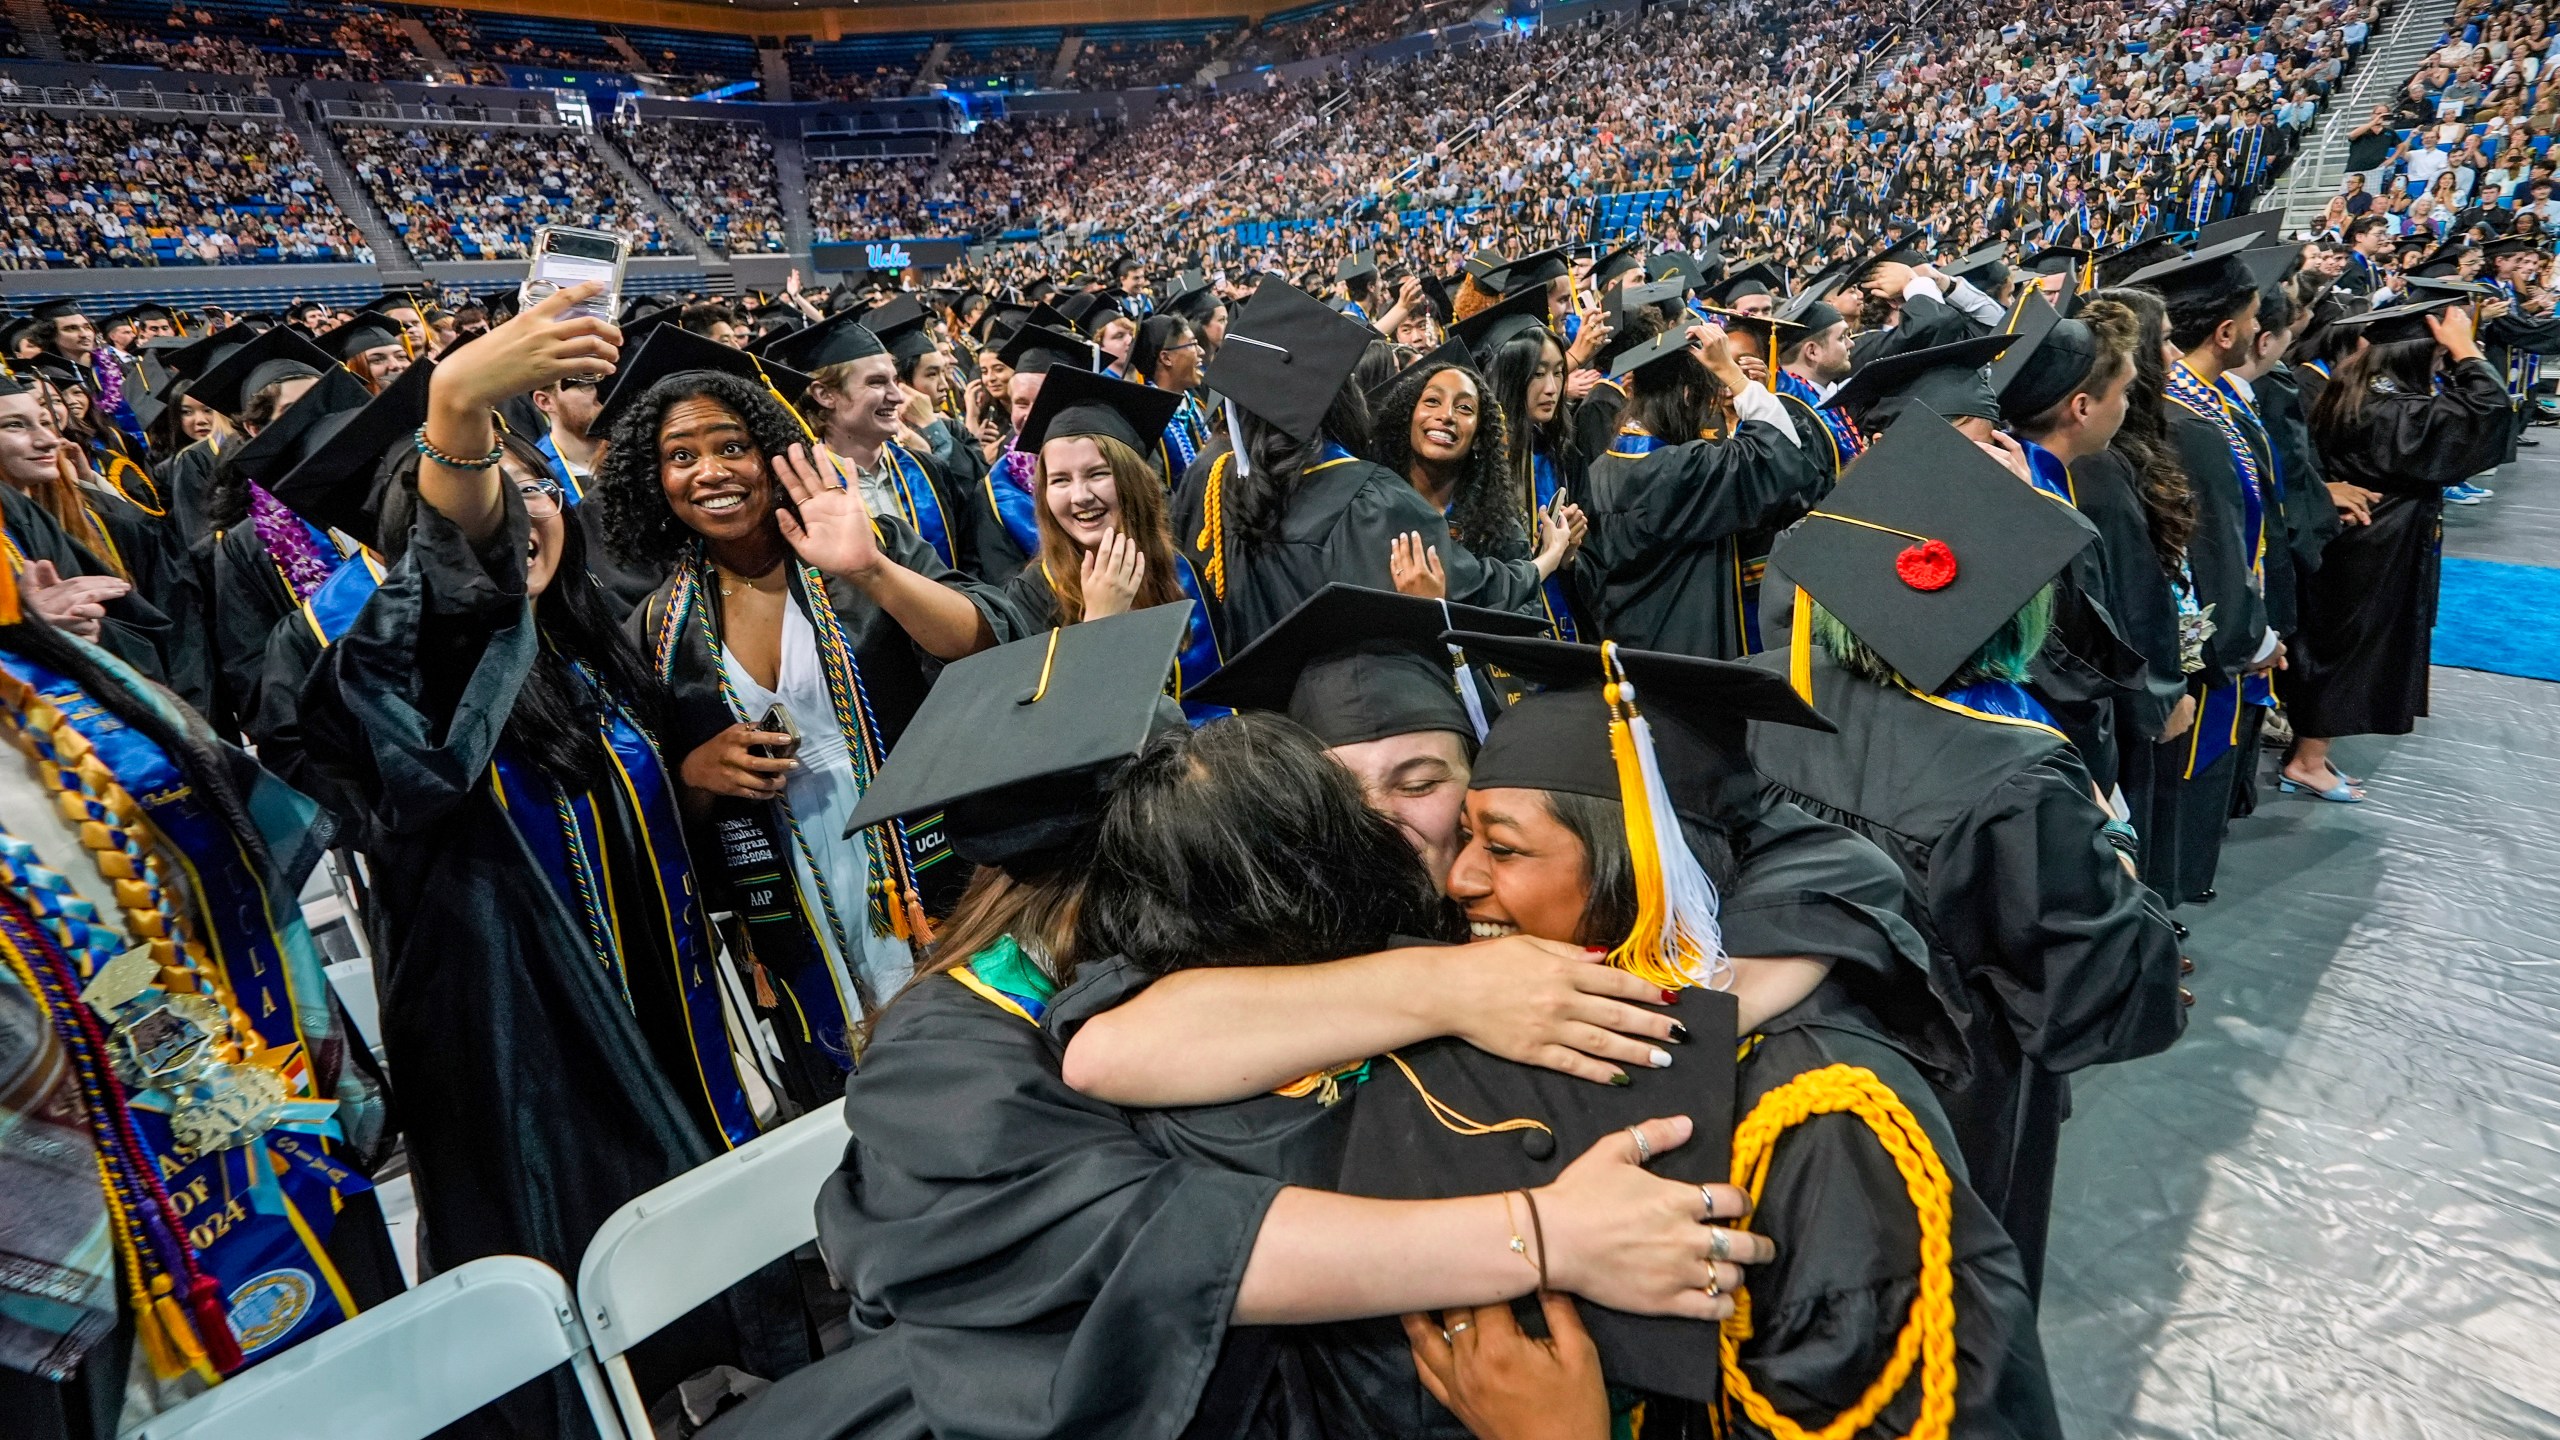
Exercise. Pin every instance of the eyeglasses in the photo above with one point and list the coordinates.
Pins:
(581, 382)
(541, 498)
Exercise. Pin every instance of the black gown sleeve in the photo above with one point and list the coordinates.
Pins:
(2423, 444)
(2081, 953)
(168, 581)
(1709, 490)
(2215, 553)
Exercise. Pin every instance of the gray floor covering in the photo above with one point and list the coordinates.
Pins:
(2333, 1209)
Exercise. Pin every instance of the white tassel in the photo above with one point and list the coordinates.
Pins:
(1691, 907)
(1467, 695)
(1235, 437)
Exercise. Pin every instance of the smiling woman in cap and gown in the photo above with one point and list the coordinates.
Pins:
(1928, 572)
(763, 611)
(1270, 523)
(547, 962)
(1176, 1272)
(1664, 567)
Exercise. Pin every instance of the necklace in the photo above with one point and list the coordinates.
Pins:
(775, 571)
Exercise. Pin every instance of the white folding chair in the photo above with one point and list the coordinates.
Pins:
(407, 1367)
(695, 1236)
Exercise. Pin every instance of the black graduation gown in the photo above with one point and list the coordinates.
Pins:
(165, 576)
(249, 595)
(2369, 612)
(1341, 523)
(2123, 572)
(538, 1101)
(134, 630)
(895, 675)
(2504, 342)
(187, 479)
(2062, 958)
(1925, 323)
(625, 582)
(2310, 519)
(1596, 417)
(1663, 565)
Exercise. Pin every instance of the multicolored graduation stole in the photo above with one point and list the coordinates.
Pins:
(334, 606)
(1003, 976)
(1185, 436)
(1846, 438)
(2220, 708)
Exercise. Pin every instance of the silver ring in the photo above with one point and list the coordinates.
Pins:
(1720, 1245)
(1644, 1147)
(1708, 1194)
(1461, 1328)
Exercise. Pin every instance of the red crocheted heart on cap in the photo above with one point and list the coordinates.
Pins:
(1929, 565)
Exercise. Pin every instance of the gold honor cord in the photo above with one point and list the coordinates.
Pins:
(1454, 1120)
(1928, 1337)
(1047, 660)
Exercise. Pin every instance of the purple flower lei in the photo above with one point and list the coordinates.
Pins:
(289, 543)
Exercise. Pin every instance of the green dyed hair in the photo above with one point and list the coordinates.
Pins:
(2005, 656)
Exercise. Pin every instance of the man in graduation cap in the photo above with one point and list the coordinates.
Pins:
(2515, 341)
(1902, 306)
(1927, 572)
(1676, 515)
(2212, 298)
(860, 410)
(373, 348)
(112, 379)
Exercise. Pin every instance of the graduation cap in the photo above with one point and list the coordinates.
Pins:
(370, 330)
(1495, 326)
(1450, 352)
(2440, 261)
(1537, 269)
(2471, 290)
(188, 360)
(1088, 312)
(2505, 245)
(2117, 262)
(1812, 310)
(269, 358)
(2269, 266)
(1681, 266)
(1035, 348)
(1017, 746)
(329, 472)
(838, 339)
(2396, 323)
(1946, 379)
(900, 325)
(1194, 299)
(2196, 275)
(1665, 346)
(1903, 251)
(284, 444)
(1358, 265)
(61, 373)
(500, 304)
(1618, 262)
(1073, 401)
(1286, 357)
(2056, 260)
(1985, 268)
(1757, 277)
(1925, 549)
(1485, 267)
(2051, 358)
(1637, 297)
(674, 350)
(2259, 226)
(1353, 665)
(56, 310)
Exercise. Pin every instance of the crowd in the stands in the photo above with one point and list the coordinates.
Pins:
(332, 42)
(2472, 127)
(1347, 27)
(719, 175)
(1011, 174)
(87, 190)
(1131, 64)
(1019, 67)
(456, 194)
(813, 79)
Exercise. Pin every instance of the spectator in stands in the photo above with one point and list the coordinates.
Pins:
(456, 194)
(719, 176)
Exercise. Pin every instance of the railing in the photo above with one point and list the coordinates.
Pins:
(2341, 121)
(145, 101)
(530, 115)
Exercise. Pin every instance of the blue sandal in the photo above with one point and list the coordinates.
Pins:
(2343, 794)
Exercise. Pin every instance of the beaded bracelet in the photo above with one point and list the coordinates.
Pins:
(450, 462)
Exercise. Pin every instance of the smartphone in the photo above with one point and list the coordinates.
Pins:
(564, 256)
(777, 721)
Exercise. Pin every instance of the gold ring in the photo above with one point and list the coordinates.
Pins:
(1714, 1287)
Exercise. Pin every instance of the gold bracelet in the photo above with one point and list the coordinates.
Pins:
(1519, 1244)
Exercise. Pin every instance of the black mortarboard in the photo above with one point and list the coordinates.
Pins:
(499, 304)
(311, 420)
(1985, 268)
(673, 350)
(1537, 269)
(1901, 250)
(368, 331)
(2400, 322)
(56, 310)
(1017, 746)
(2269, 265)
(1286, 357)
(1618, 262)
(1088, 312)
(1034, 348)
(2259, 226)
(272, 357)
(1927, 547)
(2438, 285)
(12, 331)
(1447, 353)
(1485, 267)
(2056, 260)
(1679, 265)
(2509, 245)
(2119, 261)
(331, 474)
(62, 373)
(2050, 359)
(1074, 401)
(2199, 274)
(1813, 309)
(1947, 379)
(836, 340)
(1354, 664)
(1401, 1146)
(1758, 277)
(2442, 260)
(190, 359)
(1635, 297)
(1193, 299)
(1660, 348)
(1491, 328)
(1359, 265)
(900, 325)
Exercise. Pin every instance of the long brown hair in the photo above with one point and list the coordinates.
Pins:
(2143, 440)
(1039, 913)
(1142, 519)
(2339, 413)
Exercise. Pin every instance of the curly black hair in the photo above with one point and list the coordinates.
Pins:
(1484, 511)
(638, 523)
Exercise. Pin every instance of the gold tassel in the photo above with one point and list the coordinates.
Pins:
(1800, 648)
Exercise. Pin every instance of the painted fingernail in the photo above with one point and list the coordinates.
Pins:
(1661, 1059)
(1622, 1079)
(1670, 997)
(1679, 1033)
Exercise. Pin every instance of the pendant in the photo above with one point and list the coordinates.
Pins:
(233, 1105)
(162, 1048)
(121, 981)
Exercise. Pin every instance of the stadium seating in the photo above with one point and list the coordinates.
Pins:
(456, 193)
(719, 176)
(1167, 52)
(856, 67)
(95, 189)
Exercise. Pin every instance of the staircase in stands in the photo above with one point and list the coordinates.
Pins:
(773, 67)
(791, 178)
(931, 70)
(390, 255)
(34, 20)
(425, 39)
(719, 279)
(2391, 56)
